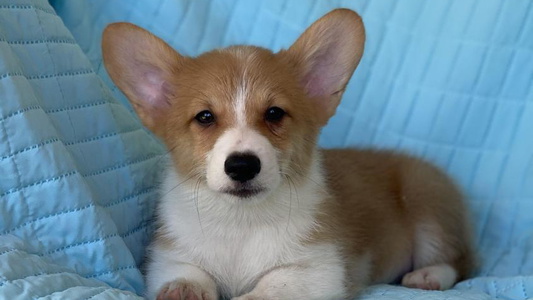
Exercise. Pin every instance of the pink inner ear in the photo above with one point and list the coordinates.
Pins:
(315, 85)
(152, 90)
(324, 74)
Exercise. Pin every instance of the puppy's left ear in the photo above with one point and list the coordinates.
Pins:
(326, 55)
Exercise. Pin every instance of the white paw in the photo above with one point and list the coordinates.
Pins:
(438, 277)
(185, 290)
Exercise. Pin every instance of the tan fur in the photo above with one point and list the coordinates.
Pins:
(378, 199)
(386, 213)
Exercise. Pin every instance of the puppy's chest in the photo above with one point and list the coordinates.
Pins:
(237, 260)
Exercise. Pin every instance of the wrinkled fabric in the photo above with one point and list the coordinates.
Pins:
(449, 81)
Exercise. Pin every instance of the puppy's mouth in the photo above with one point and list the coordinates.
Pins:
(244, 191)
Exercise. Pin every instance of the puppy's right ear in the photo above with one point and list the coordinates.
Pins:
(142, 66)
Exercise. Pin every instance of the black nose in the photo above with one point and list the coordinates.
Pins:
(242, 166)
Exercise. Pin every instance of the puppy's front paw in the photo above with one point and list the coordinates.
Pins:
(185, 290)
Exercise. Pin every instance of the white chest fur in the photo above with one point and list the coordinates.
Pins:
(236, 242)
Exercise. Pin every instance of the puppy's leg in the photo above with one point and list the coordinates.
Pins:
(440, 260)
(320, 277)
(442, 252)
(180, 281)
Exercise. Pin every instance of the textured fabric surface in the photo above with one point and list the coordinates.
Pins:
(77, 170)
(450, 81)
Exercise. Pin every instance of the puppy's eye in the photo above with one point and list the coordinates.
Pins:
(274, 114)
(205, 117)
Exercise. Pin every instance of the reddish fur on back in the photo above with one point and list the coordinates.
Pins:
(378, 200)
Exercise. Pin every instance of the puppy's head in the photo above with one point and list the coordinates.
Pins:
(242, 119)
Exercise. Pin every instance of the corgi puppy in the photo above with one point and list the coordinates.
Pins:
(250, 208)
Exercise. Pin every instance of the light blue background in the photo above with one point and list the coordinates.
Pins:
(450, 81)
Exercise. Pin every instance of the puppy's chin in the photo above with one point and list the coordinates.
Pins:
(247, 193)
(243, 194)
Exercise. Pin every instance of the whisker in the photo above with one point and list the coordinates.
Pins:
(165, 154)
(295, 190)
(177, 185)
(290, 203)
(301, 173)
(196, 199)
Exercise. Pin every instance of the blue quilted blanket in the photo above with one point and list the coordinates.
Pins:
(450, 81)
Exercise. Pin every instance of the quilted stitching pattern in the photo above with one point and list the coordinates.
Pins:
(447, 80)
(77, 169)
